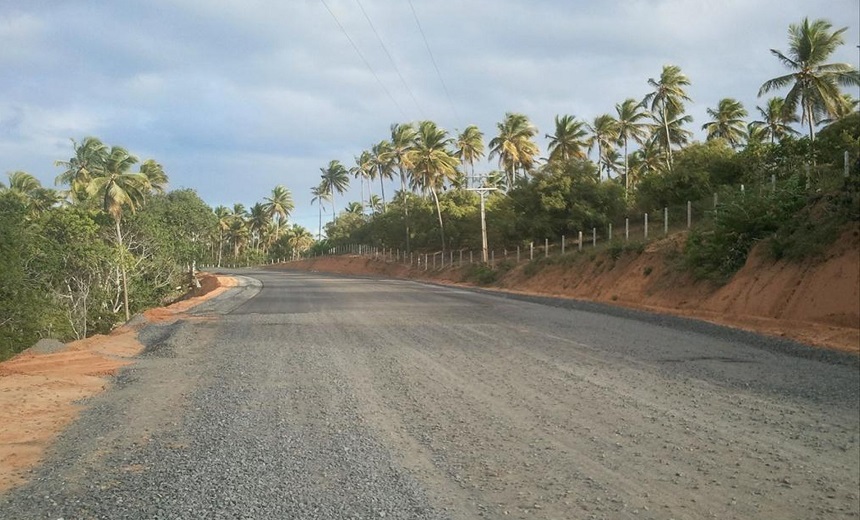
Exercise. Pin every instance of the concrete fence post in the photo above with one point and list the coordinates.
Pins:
(646, 226)
(493, 258)
(594, 237)
(626, 229)
(531, 250)
(518, 254)
(546, 248)
(665, 220)
(580, 241)
(562, 244)
(689, 214)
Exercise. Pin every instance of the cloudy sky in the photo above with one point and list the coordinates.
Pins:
(236, 96)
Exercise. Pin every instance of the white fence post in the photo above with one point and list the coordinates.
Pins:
(646, 226)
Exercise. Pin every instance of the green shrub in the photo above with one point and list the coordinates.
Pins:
(719, 248)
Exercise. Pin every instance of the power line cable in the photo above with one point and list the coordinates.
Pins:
(390, 58)
(435, 66)
(363, 59)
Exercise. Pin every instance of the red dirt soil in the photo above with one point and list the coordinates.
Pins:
(816, 301)
(39, 393)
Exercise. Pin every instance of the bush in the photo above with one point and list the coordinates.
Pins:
(481, 274)
(717, 250)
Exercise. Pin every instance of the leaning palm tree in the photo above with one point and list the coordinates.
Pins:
(604, 133)
(279, 204)
(433, 163)
(320, 195)
(814, 83)
(775, 122)
(668, 97)
(363, 171)
(335, 178)
(670, 130)
(21, 184)
(118, 189)
(470, 147)
(90, 155)
(632, 124)
(514, 145)
(354, 208)
(728, 122)
(569, 140)
(647, 160)
(375, 203)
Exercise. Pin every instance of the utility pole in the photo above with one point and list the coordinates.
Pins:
(480, 186)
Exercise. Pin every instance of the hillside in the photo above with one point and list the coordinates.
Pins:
(816, 301)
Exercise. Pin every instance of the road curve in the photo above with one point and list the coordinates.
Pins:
(303, 395)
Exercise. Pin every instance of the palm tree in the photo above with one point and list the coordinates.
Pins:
(569, 139)
(728, 122)
(648, 159)
(299, 239)
(375, 203)
(604, 132)
(667, 99)
(383, 165)
(335, 178)
(320, 195)
(155, 175)
(89, 157)
(118, 189)
(354, 208)
(258, 221)
(279, 204)
(514, 146)
(223, 214)
(470, 147)
(363, 171)
(631, 125)
(814, 83)
(397, 154)
(670, 130)
(30, 191)
(775, 122)
(433, 163)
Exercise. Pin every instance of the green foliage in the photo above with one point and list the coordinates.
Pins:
(816, 226)
(717, 250)
(698, 170)
(480, 274)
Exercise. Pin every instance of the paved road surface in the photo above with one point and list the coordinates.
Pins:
(318, 396)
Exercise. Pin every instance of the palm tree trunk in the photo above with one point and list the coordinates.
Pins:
(626, 172)
(668, 140)
(382, 187)
(122, 270)
(439, 214)
(319, 231)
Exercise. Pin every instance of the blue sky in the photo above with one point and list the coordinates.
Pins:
(236, 96)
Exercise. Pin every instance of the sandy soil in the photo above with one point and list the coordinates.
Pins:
(40, 393)
(816, 302)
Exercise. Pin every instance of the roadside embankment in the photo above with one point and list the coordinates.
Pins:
(41, 388)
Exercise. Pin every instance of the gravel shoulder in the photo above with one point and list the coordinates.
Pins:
(333, 397)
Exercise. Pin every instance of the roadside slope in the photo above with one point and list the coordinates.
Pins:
(41, 389)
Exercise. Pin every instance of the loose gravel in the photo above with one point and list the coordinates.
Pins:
(331, 397)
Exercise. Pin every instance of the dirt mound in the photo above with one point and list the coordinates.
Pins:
(40, 389)
(816, 301)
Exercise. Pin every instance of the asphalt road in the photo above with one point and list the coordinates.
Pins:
(317, 396)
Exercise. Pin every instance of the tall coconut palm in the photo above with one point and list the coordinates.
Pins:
(514, 145)
(632, 124)
(30, 191)
(775, 122)
(375, 203)
(433, 163)
(402, 140)
(118, 190)
(667, 99)
(470, 148)
(279, 204)
(648, 159)
(223, 214)
(383, 165)
(320, 195)
(363, 171)
(814, 83)
(604, 133)
(335, 178)
(569, 140)
(90, 155)
(728, 122)
(299, 239)
(155, 175)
